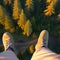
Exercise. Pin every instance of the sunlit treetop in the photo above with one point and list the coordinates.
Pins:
(2, 11)
(50, 8)
(2, 15)
(16, 9)
(48, 1)
(27, 28)
(28, 4)
(58, 15)
(22, 19)
(9, 24)
(7, 1)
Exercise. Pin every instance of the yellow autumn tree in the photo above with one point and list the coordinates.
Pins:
(48, 1)
(27, 28)
(50, 8)
(32, 49)
(7, 1)
(58, 16)
(16, 9)
(8, 24)
(28, 4)
(2, 15)
(22, 20)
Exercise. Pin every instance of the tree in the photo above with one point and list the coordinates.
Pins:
(28, 4)
(8, 24)
(48, 1)
(50, 8)
(28, 28)
(7, 1)
(16, 9)
(58, 16)
(32, 48)
(22, 20)
(33, 22)
(2, 15)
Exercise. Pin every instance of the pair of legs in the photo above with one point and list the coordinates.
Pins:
(41, 50)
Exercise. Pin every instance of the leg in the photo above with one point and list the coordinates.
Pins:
(8, 53)
(42, 40)
(42, 52)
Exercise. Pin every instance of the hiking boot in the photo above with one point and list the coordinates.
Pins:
(7, 41)
(42, 40)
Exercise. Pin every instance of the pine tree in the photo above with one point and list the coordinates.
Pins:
(22, 20)
(31, 49)
(7, 1)
(50, 8)
(58, 16)
(28, 4)
(2, 15)
(27, 28)
(48, 1)
(8, 24)
(16, 9)
(5, 20)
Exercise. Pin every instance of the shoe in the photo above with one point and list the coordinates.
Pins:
(7, 40)
(42, 40)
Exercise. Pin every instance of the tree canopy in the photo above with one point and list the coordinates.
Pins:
(30, 15)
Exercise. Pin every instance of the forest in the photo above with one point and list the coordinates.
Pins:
(25, 19)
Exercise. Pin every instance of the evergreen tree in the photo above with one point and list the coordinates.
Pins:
(33, 22)
(58, 16)
(32, 49)
(48, 1)
(16, 9)
(7, 1)
(50, 8)
(8, 24)
(28, 4)
(2, 15)
(5, 20)
(28, 28)
(22, 20)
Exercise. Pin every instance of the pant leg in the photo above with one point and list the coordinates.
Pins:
(45, 54)
(8, 55)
